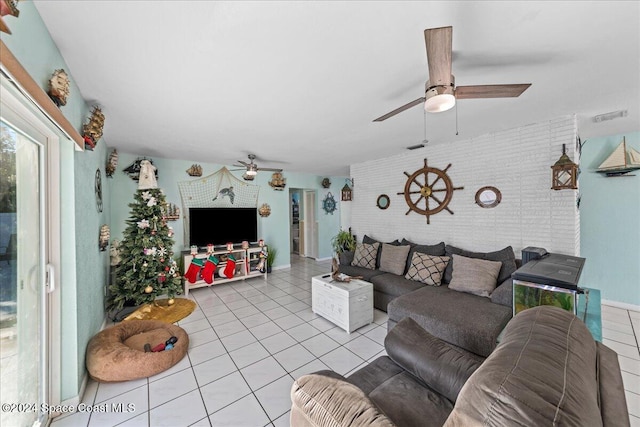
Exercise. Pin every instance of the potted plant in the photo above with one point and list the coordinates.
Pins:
(343, 241)
(271, 257)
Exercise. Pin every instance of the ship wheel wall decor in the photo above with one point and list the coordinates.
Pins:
(429, 190)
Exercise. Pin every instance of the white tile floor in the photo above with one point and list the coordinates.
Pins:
(249, 340)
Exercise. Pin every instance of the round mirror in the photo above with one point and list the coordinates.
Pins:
(383, 201)
(488, 197)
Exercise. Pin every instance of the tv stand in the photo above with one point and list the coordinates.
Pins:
(247, 261)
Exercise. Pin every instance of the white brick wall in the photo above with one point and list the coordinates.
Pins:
(517, 161)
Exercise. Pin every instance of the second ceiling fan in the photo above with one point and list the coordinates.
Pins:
(440, 91)
(251, 168)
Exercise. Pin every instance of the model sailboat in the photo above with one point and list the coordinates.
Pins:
(621, 161)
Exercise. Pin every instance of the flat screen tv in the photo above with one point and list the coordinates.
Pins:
(219, 226)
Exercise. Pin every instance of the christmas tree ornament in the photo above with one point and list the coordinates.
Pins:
(194, 268)
(148, 289)
(209, 268)
(146, 195)
(152, 202)
(143, 223)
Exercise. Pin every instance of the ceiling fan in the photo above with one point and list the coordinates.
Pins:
(440, 91)
(251, 168)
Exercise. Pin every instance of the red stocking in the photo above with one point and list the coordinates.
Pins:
(194, 268)
(230, 268)
(209, 268)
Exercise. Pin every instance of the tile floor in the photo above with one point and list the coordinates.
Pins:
(249, 340)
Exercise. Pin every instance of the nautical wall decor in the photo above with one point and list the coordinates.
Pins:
(278, 182)
(112, 163)
(92, 131)
(326, 183)
(103, 239)
(429, 184)
(59, 87)
(133, 170)
(346, 193)
(621, 161)
(195, 170)
(329, 204)
(564, 173)
(97, 188)
(264, 210)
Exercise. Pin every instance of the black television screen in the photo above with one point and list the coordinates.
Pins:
(219, 226)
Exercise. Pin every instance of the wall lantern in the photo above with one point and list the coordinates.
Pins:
(564, 173)
(347, 192)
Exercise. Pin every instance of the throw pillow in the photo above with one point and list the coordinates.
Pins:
(506, 256)
(370, 240)
(474, 276)
(427, 268)
(438, 250)
(393, 258)
(366, 255)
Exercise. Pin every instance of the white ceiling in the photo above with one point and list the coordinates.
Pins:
(299, 83)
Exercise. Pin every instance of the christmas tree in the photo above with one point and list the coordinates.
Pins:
(147, 269)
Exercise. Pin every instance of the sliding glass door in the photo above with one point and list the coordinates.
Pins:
(23, 295)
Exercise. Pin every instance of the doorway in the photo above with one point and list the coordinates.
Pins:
(28, 202)
(303, 222)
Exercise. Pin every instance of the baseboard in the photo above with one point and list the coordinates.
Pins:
(622, 305)
(324, 259)
(75, 400)
(281, 267)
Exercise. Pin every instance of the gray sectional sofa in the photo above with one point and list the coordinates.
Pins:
(546, 371)
(466, 320)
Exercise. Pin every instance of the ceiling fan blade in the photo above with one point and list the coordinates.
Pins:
(270, 169)
(438, 42)
(400, 110)
(491, 91)
(243, 163)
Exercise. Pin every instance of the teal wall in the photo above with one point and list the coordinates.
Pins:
(610, 223)
(273, 229)
(84, 268)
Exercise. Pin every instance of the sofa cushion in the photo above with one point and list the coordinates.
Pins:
(393, 284)
(427, 268)
(410, 403)
(365, 255)
(346, 257)
(475, 276)
(319, 400)
(461, 319)
(506, 256)
(436, 250)
(370, 240)
(542, 373)
(393, 258)
(503, 294)
(444, 367)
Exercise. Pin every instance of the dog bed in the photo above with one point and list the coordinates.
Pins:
(117, 353)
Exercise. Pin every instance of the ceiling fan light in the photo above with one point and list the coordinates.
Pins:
(251, 171)
(437, 103)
